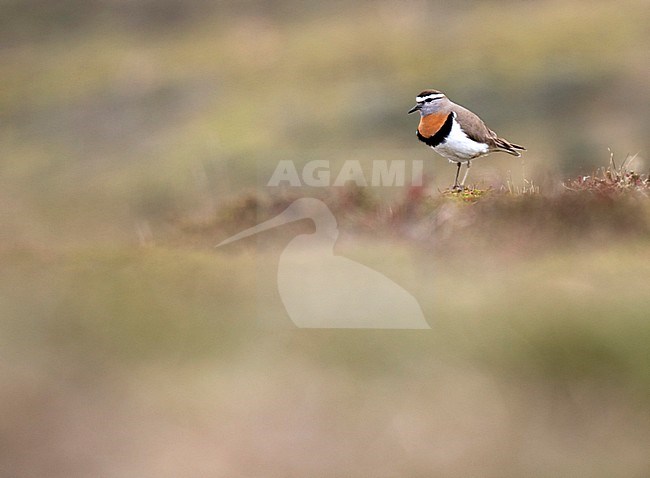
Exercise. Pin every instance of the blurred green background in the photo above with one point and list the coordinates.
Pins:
(129, 346)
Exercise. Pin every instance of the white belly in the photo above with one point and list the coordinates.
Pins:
(459, 147)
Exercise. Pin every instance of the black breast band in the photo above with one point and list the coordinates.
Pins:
(440, 135)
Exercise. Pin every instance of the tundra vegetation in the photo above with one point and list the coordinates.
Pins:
(138, 135)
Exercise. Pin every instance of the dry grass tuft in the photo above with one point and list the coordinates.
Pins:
(612, 180)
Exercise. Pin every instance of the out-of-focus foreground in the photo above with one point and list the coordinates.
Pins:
(137, 135)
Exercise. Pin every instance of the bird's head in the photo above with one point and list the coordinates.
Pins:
(429, 102)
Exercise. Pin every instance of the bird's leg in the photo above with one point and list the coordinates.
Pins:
(456, 180)
(462, 183)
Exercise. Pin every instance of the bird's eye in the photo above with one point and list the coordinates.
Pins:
(428, 100)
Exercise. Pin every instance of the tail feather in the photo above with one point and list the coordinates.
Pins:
(508, 147)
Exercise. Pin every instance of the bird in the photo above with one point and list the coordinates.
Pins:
(455, 133)
(322, 290)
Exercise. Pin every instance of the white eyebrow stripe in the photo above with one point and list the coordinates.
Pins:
(435, 96)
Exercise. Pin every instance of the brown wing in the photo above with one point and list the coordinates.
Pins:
(475, 129)
(473, 126)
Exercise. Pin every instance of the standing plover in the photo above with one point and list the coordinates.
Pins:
(455, 133)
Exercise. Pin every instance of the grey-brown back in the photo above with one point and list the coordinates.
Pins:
(476, 129)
